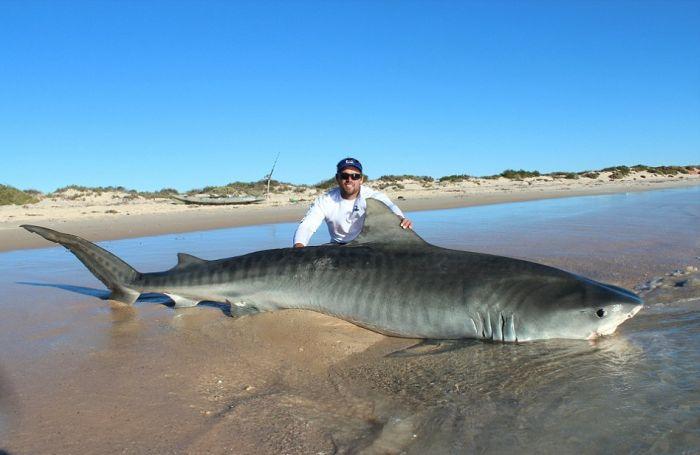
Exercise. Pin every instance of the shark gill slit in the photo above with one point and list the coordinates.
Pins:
(481, 321)
(487, 324)
(503, 328)
(476, 331)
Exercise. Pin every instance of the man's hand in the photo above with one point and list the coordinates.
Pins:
(406, 223)
(298, 245)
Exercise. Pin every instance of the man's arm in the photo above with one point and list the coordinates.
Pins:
(308, 225)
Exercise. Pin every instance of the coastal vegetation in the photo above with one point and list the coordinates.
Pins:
(671, 170)
(519, 174)
(325, 184)
(82, 191)
(163, 192)
(398, 178)
(454, 178)
(564, 175)
(10, 195)
(256, 188)
(617, 172)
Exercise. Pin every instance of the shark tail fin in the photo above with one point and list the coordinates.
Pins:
(116, 274)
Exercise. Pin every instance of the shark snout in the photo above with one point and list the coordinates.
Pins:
(613, 316)
(634, 311)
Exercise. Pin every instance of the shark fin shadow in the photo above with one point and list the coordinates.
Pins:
(102, 294)
(147, 297)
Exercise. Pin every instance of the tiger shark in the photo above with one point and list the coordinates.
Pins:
(388, 280)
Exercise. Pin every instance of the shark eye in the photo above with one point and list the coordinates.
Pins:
(600, 312)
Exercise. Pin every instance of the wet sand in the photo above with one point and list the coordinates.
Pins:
(83, 375)
(148, 381)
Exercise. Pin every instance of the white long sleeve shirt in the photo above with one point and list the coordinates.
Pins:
(344, 217)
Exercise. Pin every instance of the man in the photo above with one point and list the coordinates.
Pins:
(343, 208)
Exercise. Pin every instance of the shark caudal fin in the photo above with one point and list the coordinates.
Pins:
(116, 274)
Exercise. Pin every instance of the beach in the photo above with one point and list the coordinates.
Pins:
(81, 374)
(109, 215)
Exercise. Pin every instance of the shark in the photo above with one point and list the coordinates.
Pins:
(388, 280)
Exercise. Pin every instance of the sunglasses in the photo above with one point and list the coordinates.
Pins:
(345, 176)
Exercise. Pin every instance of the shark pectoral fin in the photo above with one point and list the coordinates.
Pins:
(241, 308)
(124, 295)
(182, 302)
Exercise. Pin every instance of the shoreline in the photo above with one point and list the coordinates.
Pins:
(183, 218)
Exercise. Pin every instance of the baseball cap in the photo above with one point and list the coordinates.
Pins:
(349, 162)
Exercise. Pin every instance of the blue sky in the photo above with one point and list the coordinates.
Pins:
(149, 94)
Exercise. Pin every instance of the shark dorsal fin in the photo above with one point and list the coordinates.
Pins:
(383, 226)
(185, 260)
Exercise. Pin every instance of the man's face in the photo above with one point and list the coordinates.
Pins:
(348, 186)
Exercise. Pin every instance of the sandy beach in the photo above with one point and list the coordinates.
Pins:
(113, 215)
(79, 374)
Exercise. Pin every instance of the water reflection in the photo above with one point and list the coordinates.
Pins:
(471, 370)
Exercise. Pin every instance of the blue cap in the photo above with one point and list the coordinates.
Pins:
(349, 162)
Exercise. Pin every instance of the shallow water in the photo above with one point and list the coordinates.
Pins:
(79, 374)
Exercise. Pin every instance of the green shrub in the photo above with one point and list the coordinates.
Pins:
(617, 172)
(455, 178)
(563, 175)
(94, 189)
(243, 188)
(622, 170)
(11, 195)
(326, 184)
(616, 175)
(519, 174)
(163, 193)
(670, 170)
(397, 178)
